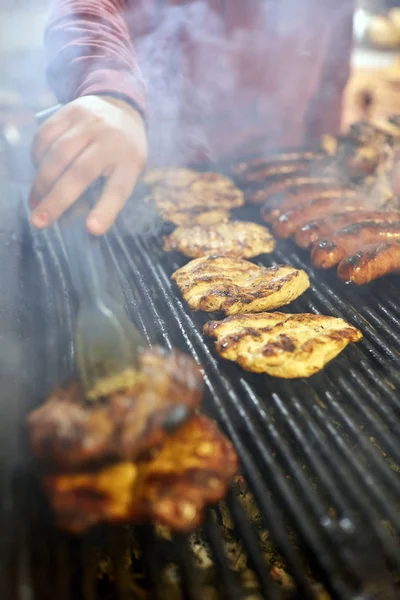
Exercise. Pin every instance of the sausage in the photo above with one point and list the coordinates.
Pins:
(282, 185)
(287, 158)
(288, 222)
(303, 196)
(313, 231)
(267, 171)
(346, 241)
(370, 263)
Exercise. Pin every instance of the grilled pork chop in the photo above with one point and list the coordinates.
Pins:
(282, 345)
(192, 470)
(234, 239)
(237, 286)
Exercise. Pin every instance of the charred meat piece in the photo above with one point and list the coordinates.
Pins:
(193, 470)
(313, 231)
(346, 241)
(286, 186)
(206, 191)
(291, 220)
(282, 345)
(238, 286)
(370, 263)
(237, 239)
(302, 196)
(69, 433)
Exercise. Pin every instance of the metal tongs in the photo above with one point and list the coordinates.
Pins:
(106, 342)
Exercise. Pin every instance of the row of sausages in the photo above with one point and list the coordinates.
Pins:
(341, 225)
(328, 200)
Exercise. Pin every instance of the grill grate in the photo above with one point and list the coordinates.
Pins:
(320, 455)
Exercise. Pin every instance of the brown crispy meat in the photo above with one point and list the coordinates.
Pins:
(193, 470)
(233, 285)
(237, 239)
(69, 433)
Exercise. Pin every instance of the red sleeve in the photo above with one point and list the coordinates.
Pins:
(90, 51)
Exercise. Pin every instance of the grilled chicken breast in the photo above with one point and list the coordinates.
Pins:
(181, 191)
(237, 286)
(282, 345)
(234, 239)
(196, 217)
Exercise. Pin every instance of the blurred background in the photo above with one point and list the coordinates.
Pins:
(374, 88)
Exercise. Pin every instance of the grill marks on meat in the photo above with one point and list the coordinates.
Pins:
(282, 345)
(198, 216)
(237, 239)
(237, 286)
(192, 470)
(370, 263)
(346, 241)
(290, 221)
(72, 434)
(179, 194)
(297, 198)
(313, 231)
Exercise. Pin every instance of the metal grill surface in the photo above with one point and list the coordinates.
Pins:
(320, 456)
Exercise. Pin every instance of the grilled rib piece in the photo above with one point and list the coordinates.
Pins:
(193, 470)
(289, 185)
(346, 241)
(311, 232)
(282, 345)
(370, 263)
(289, 221)
(206, 191)
(71, 434)
(237, 239)
(237, 286)
(302, 196)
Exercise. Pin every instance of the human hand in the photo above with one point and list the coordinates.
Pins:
(92, 137)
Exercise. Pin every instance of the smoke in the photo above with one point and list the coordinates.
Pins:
(221, 72)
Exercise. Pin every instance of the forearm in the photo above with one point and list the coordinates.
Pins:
(90, 52)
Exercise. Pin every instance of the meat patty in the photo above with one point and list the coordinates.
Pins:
(348, 240)
(282, 345)
(70, 433)
(238, 286)
(370, 263)
(312, 231)
(289, 221)
(237, 239)
(192, 470)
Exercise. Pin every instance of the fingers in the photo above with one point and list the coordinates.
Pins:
(68, 189)
(116, 193)
(59, 157)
